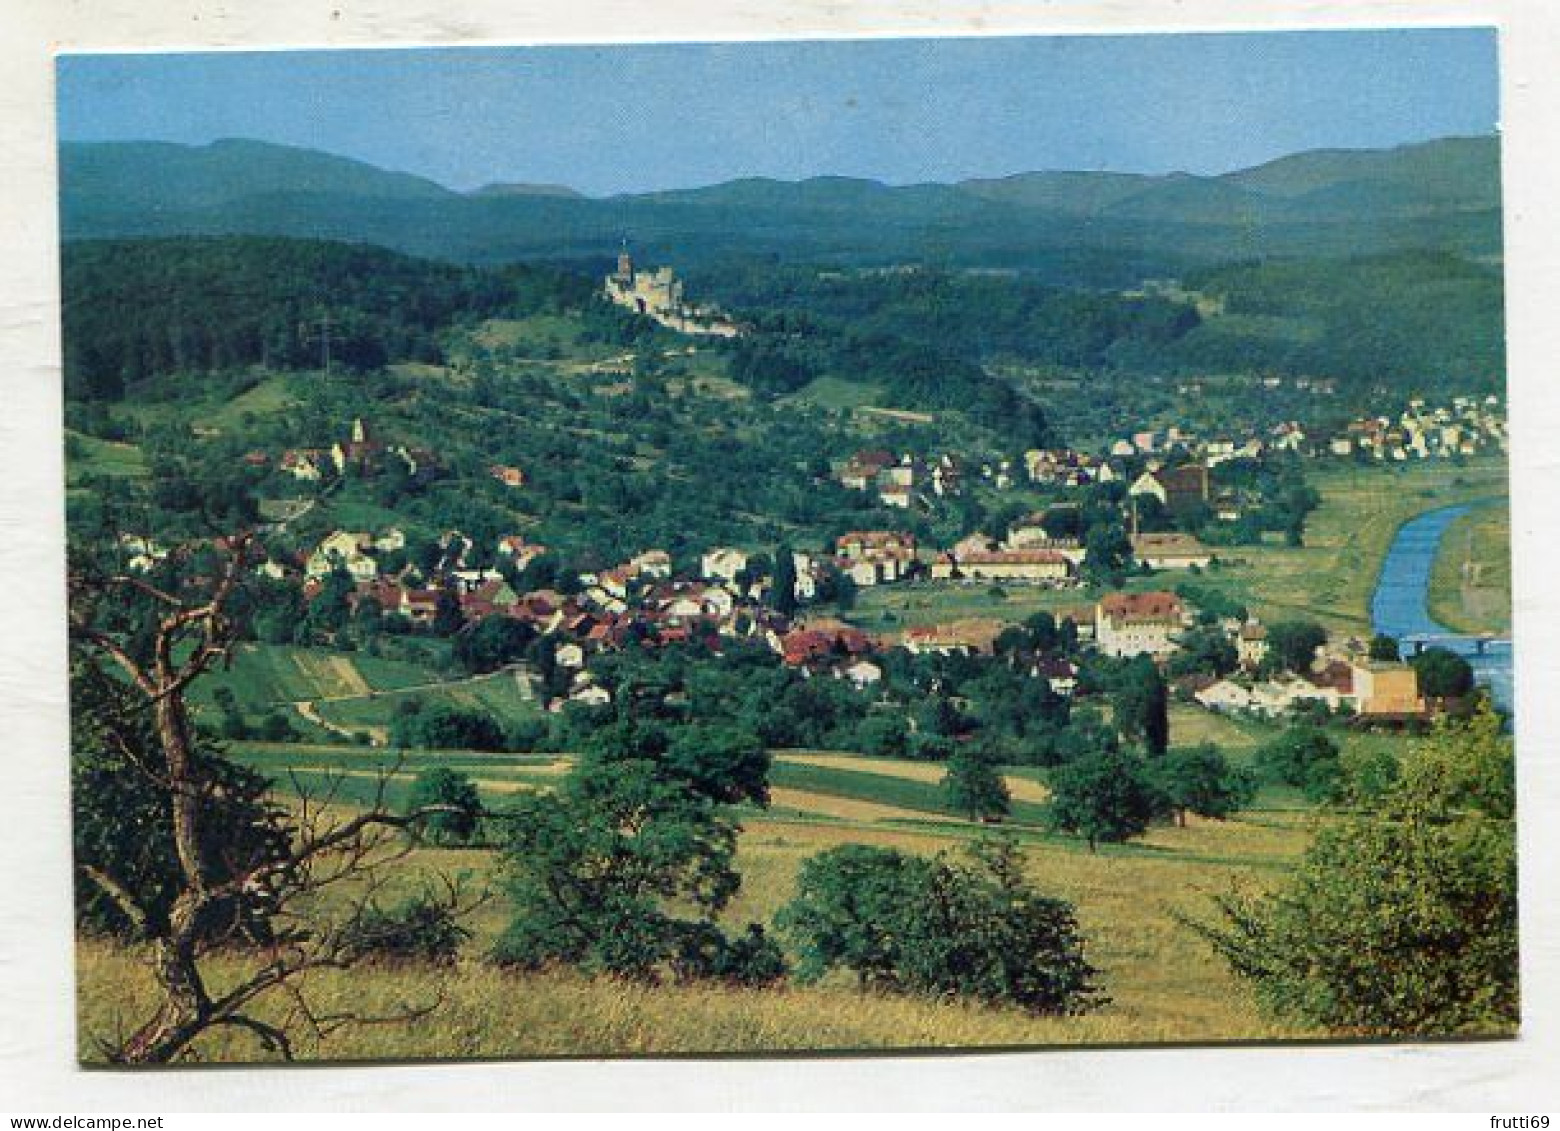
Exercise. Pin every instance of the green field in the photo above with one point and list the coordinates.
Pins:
(837, 393)
(89, 456)
(1470, 586)
(318, 689)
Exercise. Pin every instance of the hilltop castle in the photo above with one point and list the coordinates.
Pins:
(658, 294)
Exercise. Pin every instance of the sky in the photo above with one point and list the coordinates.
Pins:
(633, 118)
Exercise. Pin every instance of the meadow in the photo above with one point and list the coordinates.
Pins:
(1164, 982)
(1470, 585)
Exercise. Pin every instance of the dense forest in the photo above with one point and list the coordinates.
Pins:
(1403, 321)
(138, 309)
(976, 317)
(1397, 321)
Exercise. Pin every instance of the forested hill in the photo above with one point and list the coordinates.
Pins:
(135, 309)
(1098, 229)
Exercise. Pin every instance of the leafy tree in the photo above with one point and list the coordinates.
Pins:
(1443, 674)
(883, 735)
(1400, 922)
(1383, 647)
(1107, 553)
(447, 617)
(1106, 795)
(974, 787)
(1292, 644)
(940, 928)
(1304, 757)
(452, 800)
(1198, 779)
(1205, 650)
(439, 725)
(492, 643)
(614, 871)
(725, 763)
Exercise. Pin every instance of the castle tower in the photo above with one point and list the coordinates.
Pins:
(359, 431)
(625, 265)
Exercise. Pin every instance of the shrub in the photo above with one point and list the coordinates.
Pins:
(1403, 921)
(446, 788)
(1305, 758)
(420, 929)
(939, 928)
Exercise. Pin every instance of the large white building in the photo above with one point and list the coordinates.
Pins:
(1136, 624)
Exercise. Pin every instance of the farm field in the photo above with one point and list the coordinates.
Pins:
(1470, 586)
(327, 694)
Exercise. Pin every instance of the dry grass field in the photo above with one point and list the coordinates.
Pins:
(1164, 982)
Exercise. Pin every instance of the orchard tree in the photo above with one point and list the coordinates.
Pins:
(974, 787)
(1107, 795)
(1304, 757)
(1199, 779)
(625, 870)
(459, 808)
(940, 928)
(208, 864)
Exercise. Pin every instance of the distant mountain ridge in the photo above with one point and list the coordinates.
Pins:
(1442, 194)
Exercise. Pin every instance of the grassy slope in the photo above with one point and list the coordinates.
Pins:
(88, 455)
(1481, 601)
(1164, 982)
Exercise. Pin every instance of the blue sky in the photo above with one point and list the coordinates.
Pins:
(633, 118)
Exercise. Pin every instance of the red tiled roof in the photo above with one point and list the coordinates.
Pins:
(1154, 606)
(1015, 557)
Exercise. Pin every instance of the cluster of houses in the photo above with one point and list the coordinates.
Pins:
(361, 453)
(898, 481)
(1464, 427)
(1179, 460)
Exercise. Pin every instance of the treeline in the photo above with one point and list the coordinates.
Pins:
(974, 317)
(923, 336)
(136, 309)
(1412, 320)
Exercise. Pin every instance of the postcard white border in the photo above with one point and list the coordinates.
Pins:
(37, 1039)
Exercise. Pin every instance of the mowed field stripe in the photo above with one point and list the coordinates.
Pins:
(840, 808)
(928, 773)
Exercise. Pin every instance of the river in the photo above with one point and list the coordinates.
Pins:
(1400, 606)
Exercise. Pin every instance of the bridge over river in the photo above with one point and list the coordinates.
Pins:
(1400, 606)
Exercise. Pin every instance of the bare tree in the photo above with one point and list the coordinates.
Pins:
(186, 629)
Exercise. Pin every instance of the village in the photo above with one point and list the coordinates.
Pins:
(1162, 489)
